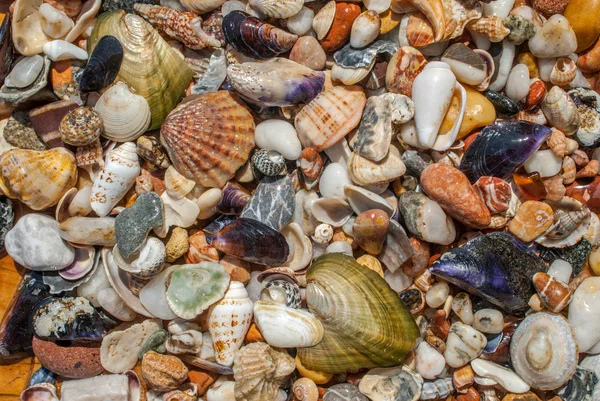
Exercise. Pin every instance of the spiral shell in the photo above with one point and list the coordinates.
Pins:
(305, 389)
(277, 8)
(81, 126)
(569, 170)
(561, 111)
(563, 72)
(557, 141)
(209, 137)
(565, 222)
(491, 27)
(324, 19)
(268, 162)
(283, 292)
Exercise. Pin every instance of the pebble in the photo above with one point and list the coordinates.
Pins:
(549, 7)
(333, 181)
(425, 218)
(463, 344)
(533, 218)
(489, 321)
(74, 361)
(555, 39)
(308, 52)
(430, 362)
(503, 376)
(133, 224)
(462, 306)
(581, 15)
(561, 270)
(517, 86)
(370, 230)
(163, 372)
(280, 136)
(545, 162)
(438, 294)
(345, 14)
(301, 23)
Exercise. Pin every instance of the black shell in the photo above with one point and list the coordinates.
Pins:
(505, 106)
(103, 65)
(6, 48)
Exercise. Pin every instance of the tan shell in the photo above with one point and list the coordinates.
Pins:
(419, 30)
(324, 19)
(330, 116)
(492, 27)
(277, 8)
(27, 33)
(81, 126)
(563, 72)
(202, 6)
(350, 76)
(557, 142)
(363, 171)
(208, 137)
(163, 372)
(434, 11)
(561, 111)
(569, 170)
(177, 185)
(39, 179)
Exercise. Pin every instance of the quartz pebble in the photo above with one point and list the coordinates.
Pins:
(464, 344)
(503, 376)
(437, 295)
(489, 321)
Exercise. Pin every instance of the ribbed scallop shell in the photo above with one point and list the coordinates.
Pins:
(202, 6)
(329, 117)
(277, 8)
(323, 20)
(209, 137)
(150, 66)
(39, 179)
(492, 27)
(126, 115)
(363, 171)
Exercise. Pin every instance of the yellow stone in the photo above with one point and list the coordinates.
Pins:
(583, 18)
(479, 112)
(317, 377)
(530, 61)
(389, 20)
(372, 263)
(595, 261)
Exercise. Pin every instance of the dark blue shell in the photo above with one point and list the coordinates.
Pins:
(505, 106)
(42, 375)
(497, 267)
(501, 148)
(103, 66)
(77, 320)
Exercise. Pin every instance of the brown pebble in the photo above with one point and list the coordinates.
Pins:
(533, 218)
(339, 33)
(163, 372)
(203, 379)
(550, 7)
(74, 362)
(308, 52)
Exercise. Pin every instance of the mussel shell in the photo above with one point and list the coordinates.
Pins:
(6, 47)
(234, 198)
(505, 106)
(576, 255)
(252, 241)
(42, 375)
(501, 148)
(103, 66)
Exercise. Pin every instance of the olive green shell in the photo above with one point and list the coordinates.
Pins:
(366, 324)
(150, 66)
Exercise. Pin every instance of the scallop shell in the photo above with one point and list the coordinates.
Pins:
(363, 171)
(543, 351)
(229, 321)
(27, 33)
(126, 115)
(277, 8)
(39, 179)
(209, 137)
(81, 126)
(202, 6)
(561, 111)
(323, 20)
(285, 327)
(563, 72)
(491, 27)
(150, 66)
(330, 117)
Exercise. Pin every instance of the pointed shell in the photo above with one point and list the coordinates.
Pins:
(126, 115)
(561, 111)
(209, 137)
(363, 171)
(277, 8)
(324, 19)
(491, 27)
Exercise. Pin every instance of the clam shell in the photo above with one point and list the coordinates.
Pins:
(23, 83)
(361, 200)
(27, 33)
(209, 137)
(349, 76)
(150, 66)
(330, 117)
(277, 8)
(284, 327)
(363, 171)
(202, 6)
(126, 115)
(324, 19)
(177, 185)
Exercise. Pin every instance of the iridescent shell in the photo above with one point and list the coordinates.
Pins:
(209, 137)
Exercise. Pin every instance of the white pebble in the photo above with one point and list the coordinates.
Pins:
(561, 270)
(301, 23)
(462, 306)
(333, 181)
(278, 135)
(489, 321)
(430, 362)
(463, 344)
(437, 295)
(508, 379)
(379, 6)
(517, 86)
(339, 247)
(544, 162)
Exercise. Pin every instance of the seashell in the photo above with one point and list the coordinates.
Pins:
(85, 261)
(39, 179)
(282, 292)
(153, 296)
(228, 321)
(434, 11)
(365, 29)
(492, 27)
(259, 371)
(350, 57)
(561, 111)
(55, 23)
(363, 171)
(126, 115)
(81, 126)
(438, 388)
(419, 30)
(277, 8)
(254, 38)
(269, 162)
(563, 72)
(580, 387)
(115, 179)
(305, 389)
(487, 155)
(38, 392)
(331, 210)
(177, 185)
(349, 347)
(467, 65)
(323, 234)
(19, 75)
(300, 248)
(408, 386)
(425, 218)
(103, 66)
(191, 289)
(148, 260)
(310, 163)
(84, 20)
(565, 222)
(190, 138)
(276, 82)
(329, 117)
(349, 76)
(27, 33)
(234, 199)
(543, 351)
(557, 142)
(150, 150)
(504, 377)
(402, 70)
(323, 20)
(57, 50)
(25, 72)
(285, 327)
(202, 7)
(150, 66)
(112, 303)
(495, 192)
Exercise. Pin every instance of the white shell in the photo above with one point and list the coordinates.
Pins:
(324, 19)
(333, 181)
(62, 50)
(111, 302)
(202, 6)
(350, 76)
(25, 72)
(177, 185)
(80, 204)
(208, 202)
(278, 135)
(361, 200)
(365, 29)
(85, 19)
(228, 321)
(27, 33)
(331, 210)
(146, 262)
(178, 212)
(55, 23)
(116, 178)
(285, 327)
(300, 247)
(277, 8)
(154, 297)
(92, 287)
(505, 65)
(584, 313)
(125, 115)
(501, 8)
(503, 376)
(185, 338)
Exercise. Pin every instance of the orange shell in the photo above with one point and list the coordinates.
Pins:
(419, 30)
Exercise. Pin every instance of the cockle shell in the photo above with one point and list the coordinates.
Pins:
(150, 66)
(285, 327)
(125, 115)
(277, 8)
(363, 171)
(330, 117)
(183, 26)
(27, 33)
(39, 179)
(228, 321)
(324, 19)
(561, 111)
(276, 82)
(202, 6)
(419, 31)
(210, 124)
(55, 23)
(116, 178)
(543, 351)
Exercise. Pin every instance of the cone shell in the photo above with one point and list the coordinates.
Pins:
(150, 66)
(363, 171)
(330, 117)
(229, 321)
(277, 8)
(324, 19)
(126, 115)
(39, 179)
(491, 27)
(380, 331)
(209, 137)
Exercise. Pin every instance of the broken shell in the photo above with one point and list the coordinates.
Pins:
(363, 171)
(27, 33)
(331, 210)
(177, 185)
(148, 260)
(55, 23)
(300, 247)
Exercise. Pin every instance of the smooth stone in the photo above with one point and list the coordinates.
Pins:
(467, 66)
(303, 211)
(577, 255)
(451, 189)
(561, 270)
(25, 72)
(555, 39)
(517, 86)
(437, 294)
(584, 313)
(308, 51)
(34, 242)
(301, 23)
(133, 224)
(532, 219)
(343, 392)
(544, 162)
(430, 363)
(500, 8)
(425, 219)
(463, 344)
(74, 361)
(278, 135)
(398, 281)
(479, 112)
(333, 181)
(382, 384)
(489, 321)
(89, 230)
(505, 377)
(272, 202)
(582, 16)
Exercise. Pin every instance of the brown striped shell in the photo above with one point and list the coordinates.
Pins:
(208, 137)
(492, 27)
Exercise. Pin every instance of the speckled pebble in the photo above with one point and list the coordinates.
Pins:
(75, 361)
(178, 244)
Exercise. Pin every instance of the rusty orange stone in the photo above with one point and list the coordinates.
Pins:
(254, 335)
(537, 93)
(338, 35)
(203, 379)
(588, 194)
(200, 250)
